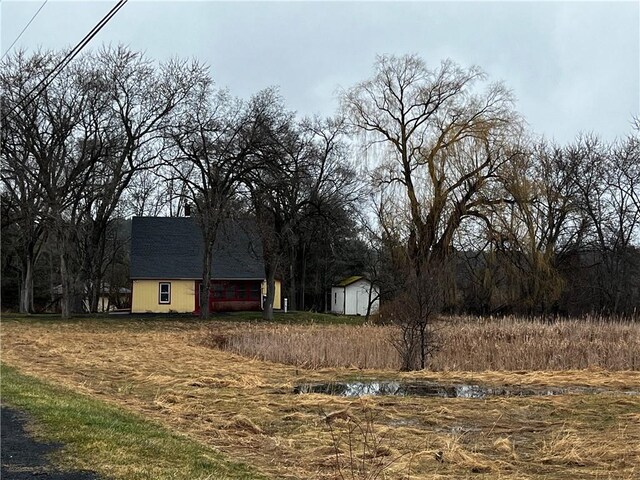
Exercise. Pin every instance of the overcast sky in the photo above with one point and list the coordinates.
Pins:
(573, 66)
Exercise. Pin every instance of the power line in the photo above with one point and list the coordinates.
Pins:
(24, 29)
(55, 71)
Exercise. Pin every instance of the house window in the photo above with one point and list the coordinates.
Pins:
(235, 290)
(165, 292)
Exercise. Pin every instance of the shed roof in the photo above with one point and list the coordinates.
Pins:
(349, 280)
(172, 248)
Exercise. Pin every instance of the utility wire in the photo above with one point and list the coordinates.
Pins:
(24, 29)
(55, 71)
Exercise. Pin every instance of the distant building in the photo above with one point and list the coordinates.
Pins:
(166, 267)
(109, 298)
(352, 296)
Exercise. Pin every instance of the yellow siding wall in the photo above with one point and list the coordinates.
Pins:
(145, 296)
(276, 300)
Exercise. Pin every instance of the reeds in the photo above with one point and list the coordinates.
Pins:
(521, 344)
(464, 344)
(311, 346)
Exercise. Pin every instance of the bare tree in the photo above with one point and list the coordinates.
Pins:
(47, 126)
(444, 146)
(78, 143)
(607, 185)
(211, 142)
(302, 182)
(22, 200)
(271, 189)
(132, 100)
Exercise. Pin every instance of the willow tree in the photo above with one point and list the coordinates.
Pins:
(539, 225)
(445, 134)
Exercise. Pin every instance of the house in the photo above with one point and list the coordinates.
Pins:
(166, 266)
(352, 296)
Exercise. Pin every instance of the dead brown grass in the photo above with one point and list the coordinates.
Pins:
(310, 346)
(523, 344)
(245, 407)
(467, 344)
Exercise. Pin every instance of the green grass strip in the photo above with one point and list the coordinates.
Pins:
(108, 440)
(99, 319)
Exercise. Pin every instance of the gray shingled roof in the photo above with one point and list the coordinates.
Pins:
(171, 248)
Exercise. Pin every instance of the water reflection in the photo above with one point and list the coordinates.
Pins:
(431, 389)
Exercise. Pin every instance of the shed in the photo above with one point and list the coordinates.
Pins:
(352, 296)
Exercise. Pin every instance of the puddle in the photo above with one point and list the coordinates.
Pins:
(403, 422)
(430, 389)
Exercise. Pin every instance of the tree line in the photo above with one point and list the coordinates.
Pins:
(116, 135)
(427, 180)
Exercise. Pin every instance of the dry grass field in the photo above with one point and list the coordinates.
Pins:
(245, 407)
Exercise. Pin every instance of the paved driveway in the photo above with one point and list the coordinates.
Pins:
(25, 458)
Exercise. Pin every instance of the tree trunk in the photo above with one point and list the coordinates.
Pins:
(205, 286)
(293, 287)
(64, 278)
(77, 295)
(52, 280)
(267, 308)
(303, 277)
(423, 346)
(369, 302)
(26, 287)
(94, 264)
